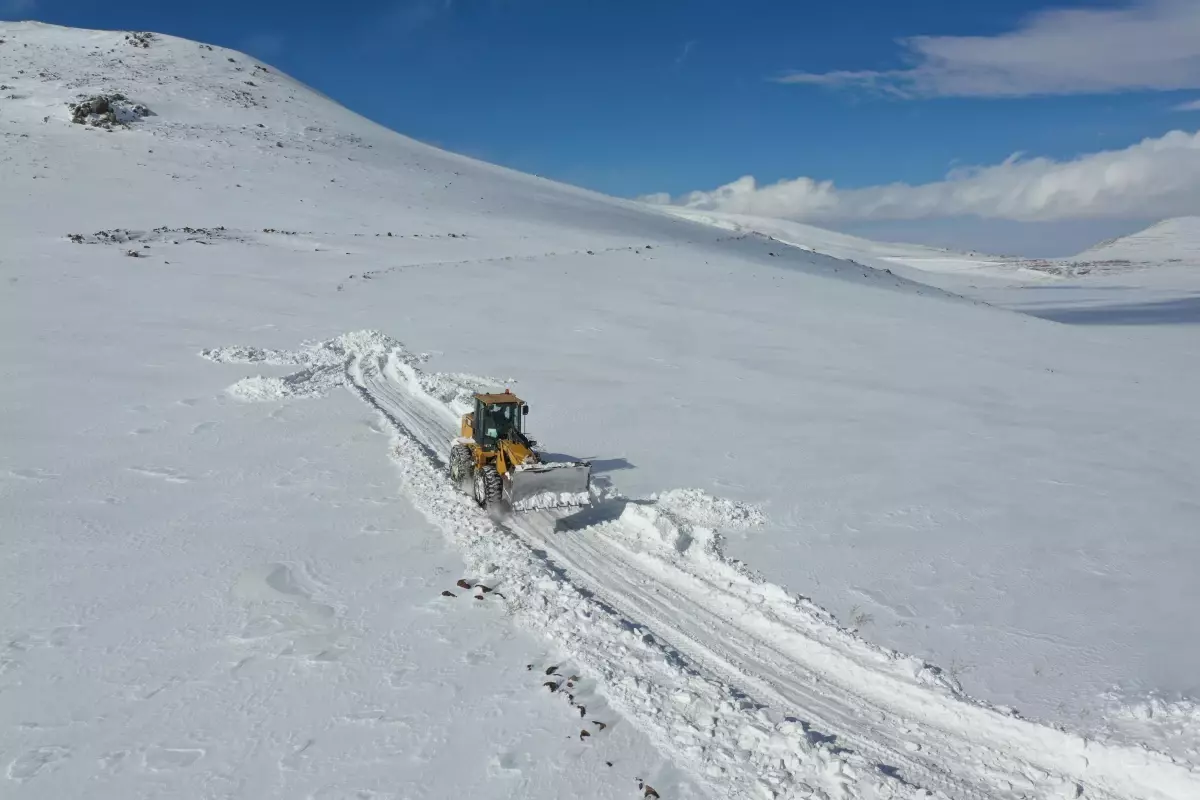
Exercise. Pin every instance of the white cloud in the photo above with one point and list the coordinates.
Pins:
(1149, 45)
(1154, 178)
(1193, 105)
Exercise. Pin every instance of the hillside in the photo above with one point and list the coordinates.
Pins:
(853, 536)
(1144, 281)
(880, 255)
(1170, 241)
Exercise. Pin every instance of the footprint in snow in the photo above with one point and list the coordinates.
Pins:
(27, 766)
(163, 759)
(32, 474)
(109, 762)
(167, 474)
(399, 679)
(506, 765)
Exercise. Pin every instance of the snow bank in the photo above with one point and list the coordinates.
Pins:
(662, 526)
(260, 389)
(700, 508)
(324, 365)
(1169, 725)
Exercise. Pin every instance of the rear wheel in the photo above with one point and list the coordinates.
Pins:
(462, 463)
(488, 486)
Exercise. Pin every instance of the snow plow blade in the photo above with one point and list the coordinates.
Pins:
(534, 487)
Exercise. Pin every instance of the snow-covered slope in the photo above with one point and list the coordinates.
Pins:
(1170, 241)
(236, 574)
(1144, 280)
(1173, 242)
(881, 255)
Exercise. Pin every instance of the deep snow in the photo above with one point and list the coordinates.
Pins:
(643, 598)
(208, 596)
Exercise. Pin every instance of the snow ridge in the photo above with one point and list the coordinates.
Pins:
(1171, 240)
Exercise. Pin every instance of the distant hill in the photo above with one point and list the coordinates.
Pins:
(880, 255)
(1170, 241)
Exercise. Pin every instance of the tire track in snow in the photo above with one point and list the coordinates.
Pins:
(723, 647)
(681, 643)
(528, 257)
(724, 739)
(934, 749)
(728, 743)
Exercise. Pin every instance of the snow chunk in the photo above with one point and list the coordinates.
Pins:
(552, 500)
(324, 365)
(259, 389)
(700, 508)
(1171, 726)
(455, 390)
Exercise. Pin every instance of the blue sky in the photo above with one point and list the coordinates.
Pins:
(671, 96)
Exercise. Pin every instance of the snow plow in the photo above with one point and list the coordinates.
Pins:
(497, 460)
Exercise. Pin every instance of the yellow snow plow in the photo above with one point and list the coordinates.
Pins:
(496, 458)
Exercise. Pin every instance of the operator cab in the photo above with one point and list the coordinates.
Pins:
(497, 417)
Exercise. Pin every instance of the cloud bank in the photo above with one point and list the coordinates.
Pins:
(1153, 178)
(1149, 45)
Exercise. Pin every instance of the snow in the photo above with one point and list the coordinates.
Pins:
(545, 500)
(1164, 247)
(1174, 725)
(964, 745)
(911, 260)
(228, 530)
(697, 507)
(1170, 241)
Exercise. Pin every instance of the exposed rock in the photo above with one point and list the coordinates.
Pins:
(140, 39)
(107, 111)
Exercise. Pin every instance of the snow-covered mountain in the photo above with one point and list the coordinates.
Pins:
(238, 323)
(912, 259)
(1170, 241)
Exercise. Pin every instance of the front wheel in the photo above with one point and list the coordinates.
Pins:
(487, 487)
(462, 464)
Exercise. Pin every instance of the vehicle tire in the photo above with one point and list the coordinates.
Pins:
(462, 464)
(488, 487)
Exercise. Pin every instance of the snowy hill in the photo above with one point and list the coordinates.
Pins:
(238, 323)
(880, 255)
(1170, 241)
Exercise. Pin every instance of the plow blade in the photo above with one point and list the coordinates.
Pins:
(556, 485)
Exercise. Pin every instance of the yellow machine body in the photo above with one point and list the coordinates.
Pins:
(494, 452)
(505, 453)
